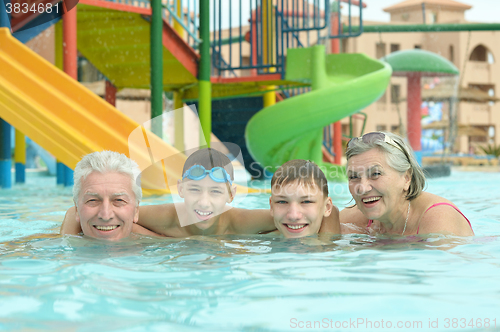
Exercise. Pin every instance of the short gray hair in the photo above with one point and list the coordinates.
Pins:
(107, 162)
(398, 160)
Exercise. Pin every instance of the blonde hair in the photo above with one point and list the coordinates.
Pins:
(302, 171)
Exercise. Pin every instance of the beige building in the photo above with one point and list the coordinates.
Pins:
(473, 53)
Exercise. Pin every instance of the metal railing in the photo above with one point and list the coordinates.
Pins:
(176, 12)
(265, 29)
(252, 36)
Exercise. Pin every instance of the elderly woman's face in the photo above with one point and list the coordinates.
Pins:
(378, 189)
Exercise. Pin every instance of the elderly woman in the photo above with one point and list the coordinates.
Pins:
(386, 183)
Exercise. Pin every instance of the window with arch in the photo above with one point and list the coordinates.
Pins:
(481, 53)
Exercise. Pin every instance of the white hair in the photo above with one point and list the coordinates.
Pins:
(107, 162)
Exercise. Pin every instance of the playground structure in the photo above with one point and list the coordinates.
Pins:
(128, 41)
(68, 121)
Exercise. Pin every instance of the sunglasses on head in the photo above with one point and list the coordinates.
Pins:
(373, 137)
(198, 172)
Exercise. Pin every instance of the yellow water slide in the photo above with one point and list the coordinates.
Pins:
(70, 121)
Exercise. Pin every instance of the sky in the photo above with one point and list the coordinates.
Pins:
(481, 11)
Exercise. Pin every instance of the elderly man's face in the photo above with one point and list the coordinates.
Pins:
(107, 206)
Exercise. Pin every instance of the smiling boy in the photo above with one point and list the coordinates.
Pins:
(300, 200)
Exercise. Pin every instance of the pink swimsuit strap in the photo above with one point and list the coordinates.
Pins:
(453, 206)
(370, 221)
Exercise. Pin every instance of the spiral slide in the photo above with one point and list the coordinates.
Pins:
(342, 84)
(70, 121)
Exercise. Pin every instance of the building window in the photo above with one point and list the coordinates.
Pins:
(379, 50)
(394, 128)
(380, 127)
(478, 53)
(395, 93)
(452, 54)
(434, 17)
(419, 47)
(395, 47)
(481, 53)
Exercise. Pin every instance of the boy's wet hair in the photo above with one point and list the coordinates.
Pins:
(209, 158)
(304, 172)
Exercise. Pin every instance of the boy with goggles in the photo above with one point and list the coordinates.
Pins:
(207, 188)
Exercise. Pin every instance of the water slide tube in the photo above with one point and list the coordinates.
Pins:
(69, 121)
(342, 84)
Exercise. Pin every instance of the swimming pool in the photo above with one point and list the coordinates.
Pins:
(248, 283)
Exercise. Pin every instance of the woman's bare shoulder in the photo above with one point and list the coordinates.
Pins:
(442, 218)
(425, 200)
(352, 220)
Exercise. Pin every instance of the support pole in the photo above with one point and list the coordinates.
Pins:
(205, 86)
(20, 157)
(5, 155)
(268, 42)
(318, 81)
(177, 26)
(4, 17)
(156, 67)
(70, 65)
(59, 55)
(110, 93)
(60, 172)
(5, 129)
(179, 122)
(337, 126)
(414, 114)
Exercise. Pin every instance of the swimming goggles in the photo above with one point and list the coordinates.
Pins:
(198, 172)
(377, 135)
(374, 136)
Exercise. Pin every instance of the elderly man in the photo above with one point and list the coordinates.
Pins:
(107, 194)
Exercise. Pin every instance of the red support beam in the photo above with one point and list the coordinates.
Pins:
(337, 126)
(110, 93)
(414, 115)
(70, 65)
(180, 49)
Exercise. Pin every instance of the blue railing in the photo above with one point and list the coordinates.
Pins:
(250, 46)
(188, 18)
(240, 44)
(255, 47)
(345, 31)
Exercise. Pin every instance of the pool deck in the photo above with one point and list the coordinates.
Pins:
(475, 168)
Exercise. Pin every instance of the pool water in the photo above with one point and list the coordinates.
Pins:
(248, 283)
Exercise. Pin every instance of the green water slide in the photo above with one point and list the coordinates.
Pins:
(342, 84)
